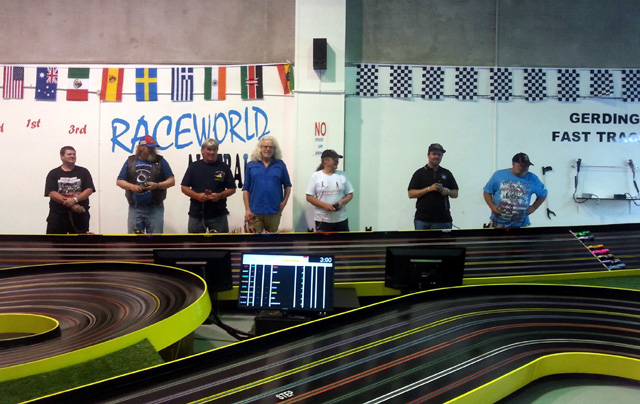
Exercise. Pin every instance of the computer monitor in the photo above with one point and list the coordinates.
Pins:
(286, 283)
(412, 269)
(213, 265)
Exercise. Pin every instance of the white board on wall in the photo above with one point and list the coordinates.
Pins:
(103, 133)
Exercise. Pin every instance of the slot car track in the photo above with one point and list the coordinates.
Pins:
(596, 327)
(360, 257)
(469, 344)
(100, 307)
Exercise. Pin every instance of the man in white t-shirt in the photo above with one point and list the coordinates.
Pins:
(329, 191)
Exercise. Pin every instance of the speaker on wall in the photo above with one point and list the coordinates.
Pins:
(319, 53)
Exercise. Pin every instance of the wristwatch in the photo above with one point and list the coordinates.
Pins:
(75, 199)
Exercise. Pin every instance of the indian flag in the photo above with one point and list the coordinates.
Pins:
(112, 79)
(78, 84)
(215, 83)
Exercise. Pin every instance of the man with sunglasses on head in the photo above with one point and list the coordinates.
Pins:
(508, 194)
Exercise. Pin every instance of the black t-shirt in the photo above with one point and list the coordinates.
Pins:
(69, 184)
(432, 207)
(216, 177)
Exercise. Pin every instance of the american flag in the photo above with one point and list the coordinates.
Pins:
(13, 85)
(182, 84)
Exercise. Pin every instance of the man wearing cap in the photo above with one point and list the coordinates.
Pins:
(145, 177)
(208, 182)
(508, 194)
(329, 191)
(432, 186)
(68, 188)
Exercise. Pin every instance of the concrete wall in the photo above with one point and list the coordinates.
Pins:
(146, 31)
(585, 33)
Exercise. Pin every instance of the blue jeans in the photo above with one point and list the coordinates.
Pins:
(146, 219)
(218, 224)
(420, 225)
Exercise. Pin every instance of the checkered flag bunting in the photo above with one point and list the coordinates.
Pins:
(535, 84)
(432, 83)
(501, 84)
(466, 83)
(601, 83)
(631, 85)
(367, 80)
(401, 81)
(568, 85)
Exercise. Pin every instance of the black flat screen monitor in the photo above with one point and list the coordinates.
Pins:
(286, 283)
(412, 269)
(213, 265)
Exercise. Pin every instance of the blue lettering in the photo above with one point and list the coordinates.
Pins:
(115, 135)
(167, 132)
(265, 131)
(180, 131)
(215, 127)
(142, 123)
(226, 127)
(246, 124)
(205, 131)
(233, 113)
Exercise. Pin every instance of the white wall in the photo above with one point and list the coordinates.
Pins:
(387, 140)
(31, 152)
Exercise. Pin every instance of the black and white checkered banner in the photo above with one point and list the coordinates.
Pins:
(500, 84)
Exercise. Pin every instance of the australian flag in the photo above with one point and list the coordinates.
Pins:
(46, 83)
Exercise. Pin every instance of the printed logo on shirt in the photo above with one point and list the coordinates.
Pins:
(219, 176)
(69, 186)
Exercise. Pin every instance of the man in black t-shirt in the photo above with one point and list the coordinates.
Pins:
(208, 182)
(68, 188)
(433, 185)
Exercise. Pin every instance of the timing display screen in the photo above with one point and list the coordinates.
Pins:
(286, 282)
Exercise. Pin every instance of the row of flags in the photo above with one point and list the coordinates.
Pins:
(535, 83)
(182, 79)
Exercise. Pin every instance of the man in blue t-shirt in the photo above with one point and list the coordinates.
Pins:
(508, 194)
(145, 177)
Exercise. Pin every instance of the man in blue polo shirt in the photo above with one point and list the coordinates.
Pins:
(267, 187)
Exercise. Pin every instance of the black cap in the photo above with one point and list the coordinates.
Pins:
(329, 153)
(522, 158)
(436, 147)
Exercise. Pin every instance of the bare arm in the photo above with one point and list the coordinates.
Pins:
(287, 193)
(488, 198)
(417, 193)
(536, 204)
(317, 202)
(248, 214)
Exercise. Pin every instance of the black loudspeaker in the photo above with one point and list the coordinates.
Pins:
(319, 53)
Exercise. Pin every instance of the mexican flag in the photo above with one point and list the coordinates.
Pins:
(215, 83)
(78, 84)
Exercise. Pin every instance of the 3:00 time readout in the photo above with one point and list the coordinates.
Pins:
(320, 259)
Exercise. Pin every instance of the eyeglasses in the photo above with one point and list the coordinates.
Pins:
(268, 147)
